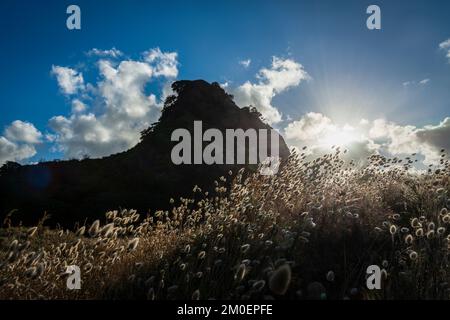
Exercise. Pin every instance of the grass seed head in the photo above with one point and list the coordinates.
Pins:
(280, 280)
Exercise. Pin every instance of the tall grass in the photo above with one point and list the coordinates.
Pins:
(309, 232)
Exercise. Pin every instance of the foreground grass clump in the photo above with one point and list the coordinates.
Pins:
(309, 232)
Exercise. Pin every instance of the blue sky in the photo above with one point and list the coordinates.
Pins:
(355, 73)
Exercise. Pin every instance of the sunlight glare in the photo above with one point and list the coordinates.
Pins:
(339, 137)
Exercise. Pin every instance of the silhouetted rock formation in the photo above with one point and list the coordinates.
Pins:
(143, 177)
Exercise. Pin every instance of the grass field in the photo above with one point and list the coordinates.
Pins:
(308, 233)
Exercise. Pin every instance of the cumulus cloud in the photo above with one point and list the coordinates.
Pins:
(399, 139)
(118, 107)
(19, 141)
(320, 133)
(20, 131)
(10, 151)
(122, 88)
(78, 106)
(435, 136)
(107, 116)
(245, 63)
(404, 139)
(310, 127)
(165, 64)
(445, 46)
(282, 75)
(113, 53)
(69, 80)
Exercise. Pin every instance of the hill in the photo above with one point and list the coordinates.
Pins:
(143, 177)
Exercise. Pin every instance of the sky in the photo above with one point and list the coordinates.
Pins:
(312, 68)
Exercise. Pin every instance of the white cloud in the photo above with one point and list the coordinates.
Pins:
(282, 75)
(445, 45)
(424, 81)
(245, 63)
(319, 133)
(20, 131)
(121, 106)
(405, 139)
(435, 137)
(78, 106)
(364, 122)
(113, 53)
(10, 151)
(69, 80)
(165, 63)
(18, 141)
(397, 139)
(122, 88)
(106, 117)
(310, 127)
(225, 85)
(85, 134)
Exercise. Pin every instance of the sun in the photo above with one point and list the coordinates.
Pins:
(339, 137)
